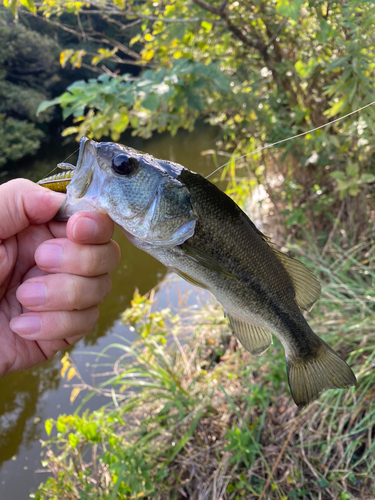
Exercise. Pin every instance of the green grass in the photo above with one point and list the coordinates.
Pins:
(192, 415)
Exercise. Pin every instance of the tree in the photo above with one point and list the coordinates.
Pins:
(28, 62)
(263, 71)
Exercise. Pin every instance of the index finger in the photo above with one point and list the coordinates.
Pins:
(91, 228)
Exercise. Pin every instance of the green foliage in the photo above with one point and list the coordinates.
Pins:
(130, 455)
(174, 408)
(17, 139)
(262, 71)
(162, 99)
(27, 61)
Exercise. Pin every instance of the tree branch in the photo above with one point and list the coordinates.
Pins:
(115, 12)
(277, 31)
(224, 15)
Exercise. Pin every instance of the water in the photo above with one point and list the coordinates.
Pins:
(29, 398)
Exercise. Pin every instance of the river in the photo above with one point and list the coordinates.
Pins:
(29, 398)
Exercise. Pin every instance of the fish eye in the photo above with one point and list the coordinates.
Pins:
(124, 165)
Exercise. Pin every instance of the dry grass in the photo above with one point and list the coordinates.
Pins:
(204, 420)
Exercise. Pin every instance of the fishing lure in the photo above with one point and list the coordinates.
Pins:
(59, 182)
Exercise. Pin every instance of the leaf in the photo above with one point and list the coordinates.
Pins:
(76, 59)
(71, 373)
(206, 26)
(352, 169)
(103, 54)
(289, 8)
(134, 40)
(65, 55)
(151, 102)
(337, 107)
(47, 104)
(12, 5)
(120, 3)
(147, 55)
(120, 123)
(73, 440)
(326, 31)
(69, 131)
(74, 394)
(65, 366)
(305, 69)
(48, 426)
(29, 4)
(367, 178)
(337, 174)
(90, 431)
(60, 426)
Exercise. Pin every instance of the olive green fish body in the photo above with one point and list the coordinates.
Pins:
(257, 288)
(193, 228)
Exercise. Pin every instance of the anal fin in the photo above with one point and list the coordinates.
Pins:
(255, 339)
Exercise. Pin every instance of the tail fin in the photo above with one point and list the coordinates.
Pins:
(324, 370)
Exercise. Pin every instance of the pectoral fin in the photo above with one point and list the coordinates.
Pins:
(306, 286)
(254, 338)
(205, 260)
(188, 278)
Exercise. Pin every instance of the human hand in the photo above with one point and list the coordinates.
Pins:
(52, 274)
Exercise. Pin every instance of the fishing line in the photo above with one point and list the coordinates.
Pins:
(57, 166)
(71, 154)
(267, 146)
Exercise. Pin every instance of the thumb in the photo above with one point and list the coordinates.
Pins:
(23, 203)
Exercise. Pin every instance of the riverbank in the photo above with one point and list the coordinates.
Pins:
(206, 420)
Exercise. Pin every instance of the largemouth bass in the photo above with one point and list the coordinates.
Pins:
(196, 230)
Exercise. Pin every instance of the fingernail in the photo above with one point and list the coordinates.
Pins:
(26, 324)
(84, 229)
(31, 294)
(49, 255)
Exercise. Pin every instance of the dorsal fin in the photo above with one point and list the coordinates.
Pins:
(306, 286)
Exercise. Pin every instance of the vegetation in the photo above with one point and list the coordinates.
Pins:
(262, 71)
(29, 62)
(208, 420)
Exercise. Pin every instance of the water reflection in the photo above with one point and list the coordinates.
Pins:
(28, 398)
(18, 403)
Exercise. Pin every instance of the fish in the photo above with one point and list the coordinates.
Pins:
(196, 230)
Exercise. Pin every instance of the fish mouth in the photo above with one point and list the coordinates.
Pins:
(84, 189)
(84, 151)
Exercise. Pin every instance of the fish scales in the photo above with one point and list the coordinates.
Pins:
(224, 232)
(193, 228)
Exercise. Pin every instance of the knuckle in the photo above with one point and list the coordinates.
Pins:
(74, 292)
(108, 284)
(87, 260)
(105, 286)
(66, 321)
(92, 318)
(90, 262)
